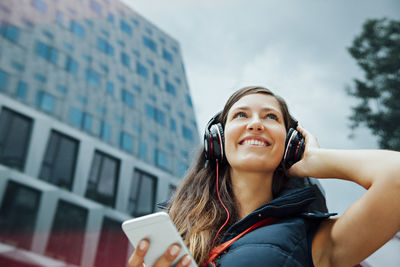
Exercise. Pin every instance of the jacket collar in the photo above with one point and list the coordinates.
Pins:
(290, 202)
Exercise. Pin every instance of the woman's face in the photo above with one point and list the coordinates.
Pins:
(255, 134)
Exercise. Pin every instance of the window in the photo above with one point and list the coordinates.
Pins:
(110, 88)
(103, 179)
(83, 100)
(170, 88)
(160, 117)
(143, 193)
(59, 17)
(182, 168)
(105, 131)
(105, 47)
(160, 159)
(77, 29)
(121, 79)
(62, 89)
(22, 89)
(177, 80)
(125, 60)
(127, 98)
(10, 32)
(172, 124)
(3, 80)
(125, 27)
(110, 18)
(156, 79)
(187, 133)
(112, 246)
(71, 65)
(155, 114)
(17, 66)
(40, 78)
(150, 111)
(137, 88)
(149, 43)
(40, 5)
(18, 214)
(143, 150)
(101, 110)
(45, 101)
(58, 166)
(119, 119)
(142, 70)
(92, 77)
(80, 119)
(167, 56)
(15, 131)
(96, 7)
(189, 101)
(47, 52)
(126, 141)
(67, 233)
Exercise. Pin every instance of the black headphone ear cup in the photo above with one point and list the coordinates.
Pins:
(207, 144)
(300, 147)
(217, 136)
(294, 148)
(221, 131)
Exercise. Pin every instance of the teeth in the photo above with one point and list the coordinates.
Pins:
(254, 142)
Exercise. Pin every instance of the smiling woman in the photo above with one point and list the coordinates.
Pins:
(236, 206)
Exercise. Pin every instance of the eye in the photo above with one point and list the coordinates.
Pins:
(239, 115)
(272, 116)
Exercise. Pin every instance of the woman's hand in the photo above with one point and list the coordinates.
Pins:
(307, 163)
(136, 260)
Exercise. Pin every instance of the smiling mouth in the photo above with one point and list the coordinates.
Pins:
(254, 142)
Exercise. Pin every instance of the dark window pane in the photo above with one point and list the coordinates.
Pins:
(67, 234)
(103, 179)
(15, 131)
(112, 247)
(58, 166)
(18, 214)
(143, 193)
(3, 80)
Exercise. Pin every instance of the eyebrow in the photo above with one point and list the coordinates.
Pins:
(263, 109)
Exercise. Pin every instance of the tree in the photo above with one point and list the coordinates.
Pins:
(377, 52)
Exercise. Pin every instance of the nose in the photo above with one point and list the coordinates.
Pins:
(255, 125)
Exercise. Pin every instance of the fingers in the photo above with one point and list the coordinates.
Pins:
(136, 260)
(166, 260)
(169, 256)
(311, 141)
(184, 261)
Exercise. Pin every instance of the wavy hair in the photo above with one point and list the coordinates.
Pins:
(195, 208)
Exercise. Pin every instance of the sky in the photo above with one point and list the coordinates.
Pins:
(298, 49)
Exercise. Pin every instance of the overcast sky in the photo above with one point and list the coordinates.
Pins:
(296, 48)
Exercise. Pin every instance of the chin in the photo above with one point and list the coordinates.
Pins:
(254, 165)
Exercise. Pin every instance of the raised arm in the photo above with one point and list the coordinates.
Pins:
(369, 222)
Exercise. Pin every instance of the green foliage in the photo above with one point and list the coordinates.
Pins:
(377, 52)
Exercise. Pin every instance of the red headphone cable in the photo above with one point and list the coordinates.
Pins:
(227, 212)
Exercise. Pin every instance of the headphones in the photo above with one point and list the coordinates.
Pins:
(214, 143)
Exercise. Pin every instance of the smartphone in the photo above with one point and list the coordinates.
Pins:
(161, 233)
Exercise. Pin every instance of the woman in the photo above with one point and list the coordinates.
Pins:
(252, 186)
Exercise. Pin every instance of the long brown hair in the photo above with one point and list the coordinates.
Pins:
(195, 208)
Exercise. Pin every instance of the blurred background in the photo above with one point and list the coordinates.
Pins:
(103, 103)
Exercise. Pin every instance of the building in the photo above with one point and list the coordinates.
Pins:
(96, 126)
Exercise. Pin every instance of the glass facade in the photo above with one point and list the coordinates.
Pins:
(90, 93)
